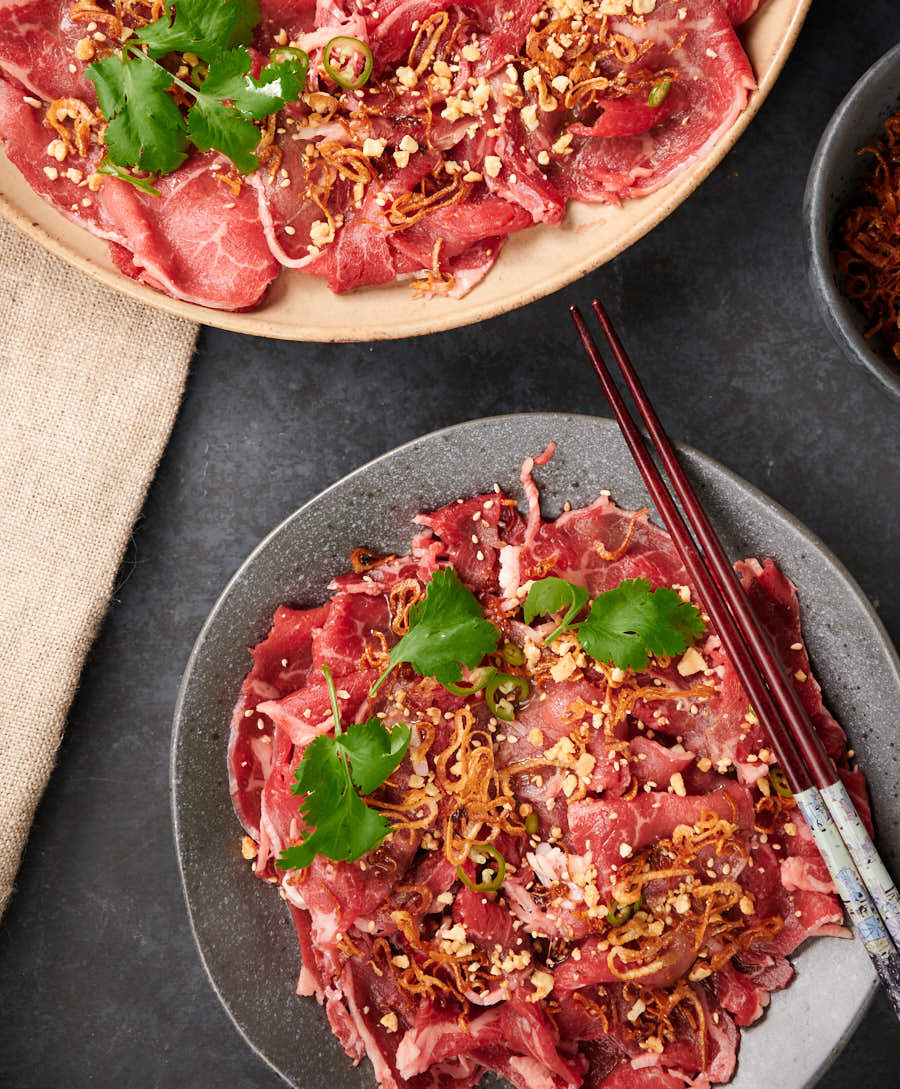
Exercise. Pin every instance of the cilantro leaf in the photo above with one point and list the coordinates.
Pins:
(255, 98)
(374, 751)
(339, 824)
(551, 595)
(212, 124)
(145, 127)
(344, 827)
(203, 27)
(629, 623)
(226, 126)
(447, 629)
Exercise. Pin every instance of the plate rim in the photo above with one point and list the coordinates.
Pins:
(809, 537)
(255, 323)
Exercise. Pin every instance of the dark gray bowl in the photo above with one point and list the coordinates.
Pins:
(243, 929)
(834, 180)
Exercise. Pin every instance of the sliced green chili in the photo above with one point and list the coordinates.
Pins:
(618, 914)
(478, 678)
(504, 704)
(199, 73)
(347, 61)
(513, 654)
(496, 881)
(532, 824)
(779, 782)
(658, 92)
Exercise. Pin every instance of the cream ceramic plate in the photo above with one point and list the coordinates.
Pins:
(533, 263)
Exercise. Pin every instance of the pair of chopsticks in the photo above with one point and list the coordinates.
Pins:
(869, 894)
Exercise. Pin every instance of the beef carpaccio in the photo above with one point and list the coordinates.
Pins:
(657, 872)
(480, 118)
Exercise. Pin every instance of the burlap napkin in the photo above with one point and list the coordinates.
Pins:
(90, 383)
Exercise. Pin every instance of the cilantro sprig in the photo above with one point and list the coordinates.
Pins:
(625, 625)
(447, 630)
(629, 623)
(147, 129)
(229, 100)
(201, 27)
(331, 776)
(552, 595)
(144, 127)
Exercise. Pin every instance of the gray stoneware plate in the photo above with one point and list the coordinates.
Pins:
(242, 928)
(834, 180)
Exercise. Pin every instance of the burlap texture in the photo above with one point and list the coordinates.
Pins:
(90, 383)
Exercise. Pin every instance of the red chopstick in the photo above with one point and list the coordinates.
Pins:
(862, 880)
(801, 731)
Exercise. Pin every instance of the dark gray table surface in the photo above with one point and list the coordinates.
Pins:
(100, 983)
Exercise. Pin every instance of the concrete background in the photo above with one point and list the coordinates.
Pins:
(100, 982)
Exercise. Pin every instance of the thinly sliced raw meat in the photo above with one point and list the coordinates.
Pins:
(62, 183)
(471, 267)
(648, 1077)
(711, 89)
(284, 20)
(360, 253)
(607, 828)
(739, 11)
(470, 537)
(286, 214)
(653, 882)
(198, 241)
(37, 49)
(457, 231)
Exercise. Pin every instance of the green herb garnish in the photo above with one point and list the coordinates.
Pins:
(447, 630)
(551, 595)
(229, 100)
(146, 128)
(113, 171)
(202, 27)
(332, 774)
(626, 624)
